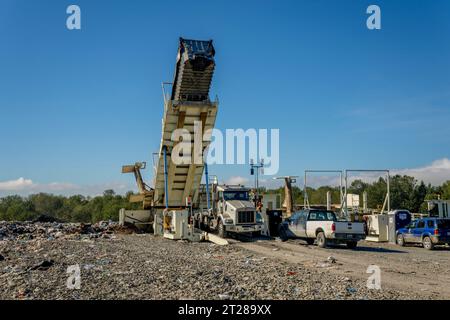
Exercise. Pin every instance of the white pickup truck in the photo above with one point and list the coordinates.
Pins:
(322, 226)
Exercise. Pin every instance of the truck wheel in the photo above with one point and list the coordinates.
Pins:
(321, 240)
(310, 241)
(256, 234)
(352, 244)
(427, 243)
(400, 240)
(221, 230)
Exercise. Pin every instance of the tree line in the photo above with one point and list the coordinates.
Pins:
(406, 193)
(75, 208)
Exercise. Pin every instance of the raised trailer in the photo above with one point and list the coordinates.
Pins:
(170, 204)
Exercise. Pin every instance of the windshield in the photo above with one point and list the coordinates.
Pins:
(322, 216)
(235, 195)
(443, 224)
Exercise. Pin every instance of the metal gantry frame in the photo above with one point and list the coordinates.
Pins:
(305, 192)
(387, 199)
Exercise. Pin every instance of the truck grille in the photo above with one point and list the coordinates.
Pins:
(246, 217)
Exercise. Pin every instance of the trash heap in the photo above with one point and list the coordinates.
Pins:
(31, 230)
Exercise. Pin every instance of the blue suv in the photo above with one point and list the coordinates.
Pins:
(427, 231)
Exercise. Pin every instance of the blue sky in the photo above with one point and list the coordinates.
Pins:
(76, 105)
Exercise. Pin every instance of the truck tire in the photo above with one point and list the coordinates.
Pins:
(400, 240)
(352, 244)
(321, 240)
(427, 243)
(221, 230)
(310, 241)
(256, 234)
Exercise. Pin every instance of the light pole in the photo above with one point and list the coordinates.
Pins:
(256, 166)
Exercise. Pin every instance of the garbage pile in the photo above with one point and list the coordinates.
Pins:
(12, 231)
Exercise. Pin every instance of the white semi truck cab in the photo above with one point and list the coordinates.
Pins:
(232, 211)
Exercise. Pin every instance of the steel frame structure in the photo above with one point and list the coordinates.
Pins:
(305, 192)
(387, 199)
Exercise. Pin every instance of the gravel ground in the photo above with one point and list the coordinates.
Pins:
(33, 265)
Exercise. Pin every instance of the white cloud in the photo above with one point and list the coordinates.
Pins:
(15, 185)
(316, 180)
(436, 173)
(237, 180)
(25, 187)
(272, 183)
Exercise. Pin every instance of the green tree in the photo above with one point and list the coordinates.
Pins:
(48, 204)
(109, 193)
(420, 192)
(445, 189)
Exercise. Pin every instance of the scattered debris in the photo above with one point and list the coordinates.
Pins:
(151, 267)
(88, 266)
(224, 296)
(42, 266)
(331, 259)
(323, 265)
(23, 293)
(351, 290)
(56, 230)
(46, 218)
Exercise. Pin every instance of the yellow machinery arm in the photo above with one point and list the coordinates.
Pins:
(145, 192)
